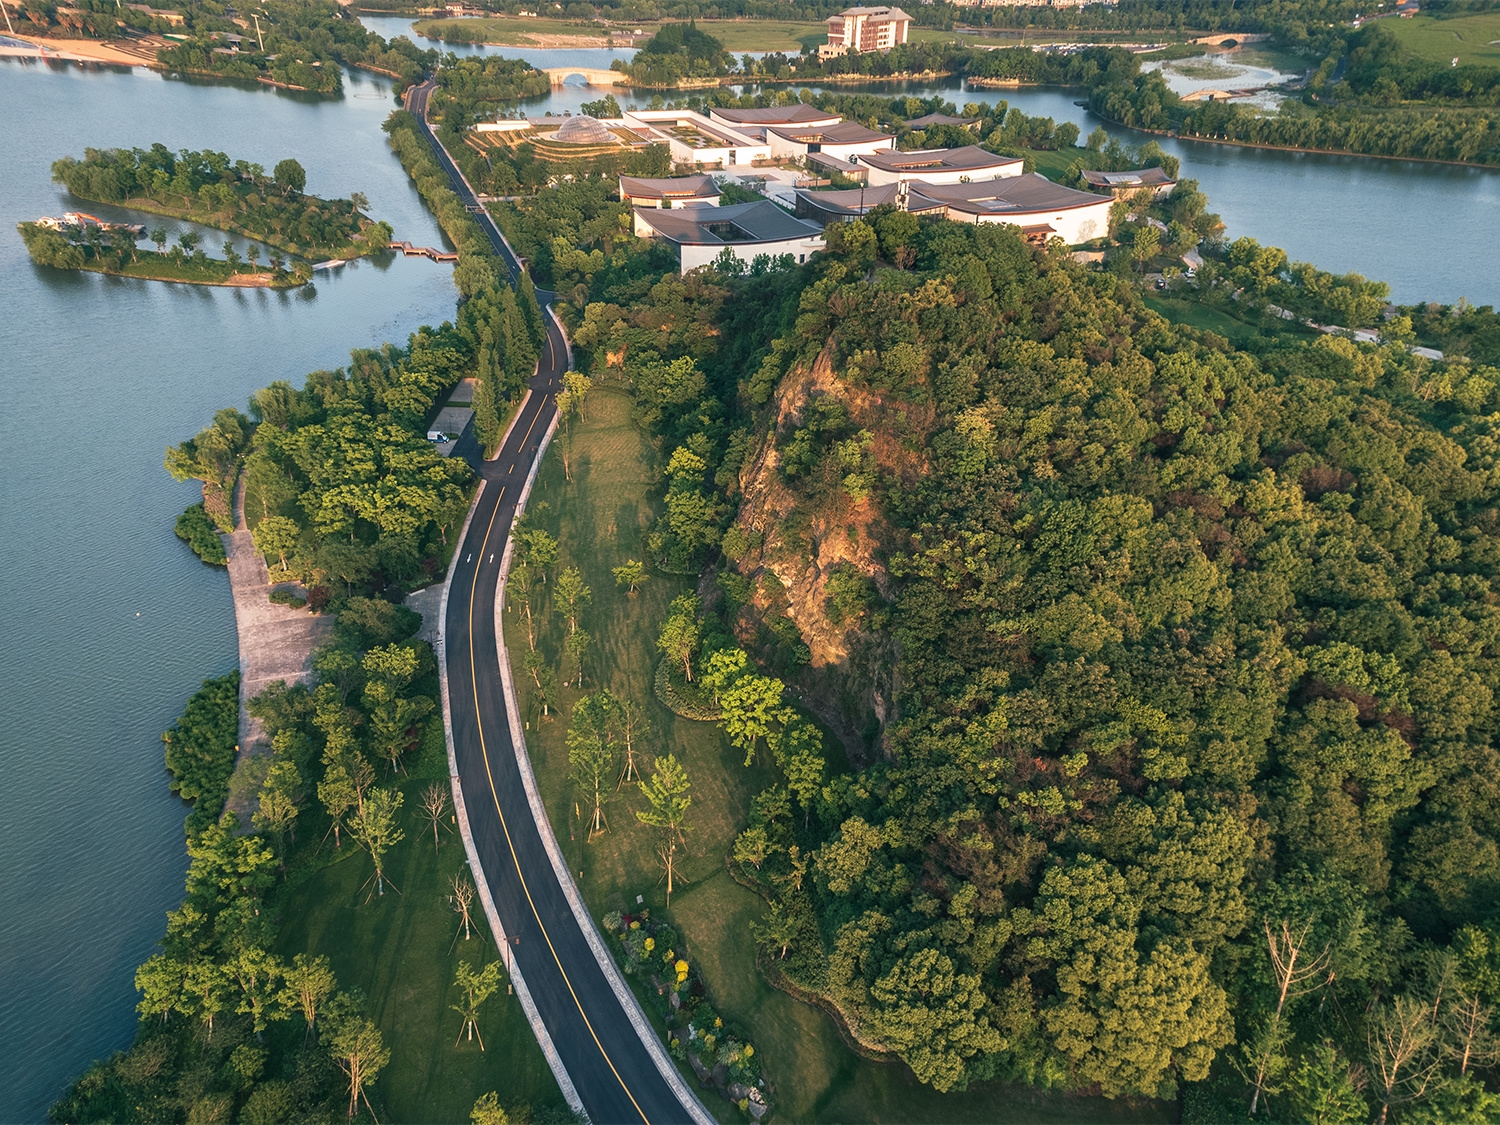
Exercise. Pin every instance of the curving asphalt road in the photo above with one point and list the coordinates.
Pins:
(615, 1075)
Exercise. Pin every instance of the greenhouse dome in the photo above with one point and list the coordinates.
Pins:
(583, 130)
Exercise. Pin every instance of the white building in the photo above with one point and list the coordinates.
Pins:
(940, 165)
(845, 140)
(1034, 203)
(865, 29)
(674, 191)
(694, 139)
(755, 122)
(747, 230)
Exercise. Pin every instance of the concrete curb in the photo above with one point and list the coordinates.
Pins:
(461, 812)
(570, 891)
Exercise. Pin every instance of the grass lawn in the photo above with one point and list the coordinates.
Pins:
(1473, 40)
(517, 31)
(599, 518)
(399, 950)
(1181, 310)
(1054, 164)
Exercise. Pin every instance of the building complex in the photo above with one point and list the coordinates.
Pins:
(865, 29)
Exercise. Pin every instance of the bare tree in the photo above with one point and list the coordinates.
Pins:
(634, 727)
(1402, 1038)
(463, 898)
(434, 805)
(1295, 972)
(1470, 1039)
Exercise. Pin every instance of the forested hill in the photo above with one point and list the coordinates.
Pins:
(1175, 663)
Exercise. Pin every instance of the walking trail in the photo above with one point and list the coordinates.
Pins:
(276, 641)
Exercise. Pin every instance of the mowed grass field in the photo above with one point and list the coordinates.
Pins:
(599, 518)
(514, 31)
(399, 950)
(1473, 40)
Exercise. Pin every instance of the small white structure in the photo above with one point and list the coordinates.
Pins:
(674, 191)
(1034, 203)
(694, 139)
(755, 122)
(1122, 184)
(845, 140)
(747, 230)
(940, 166)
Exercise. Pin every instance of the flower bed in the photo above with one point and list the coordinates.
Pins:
(719, 1054)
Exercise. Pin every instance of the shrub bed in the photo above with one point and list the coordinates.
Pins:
(720, 1054)
(691, 701)
(198, 531)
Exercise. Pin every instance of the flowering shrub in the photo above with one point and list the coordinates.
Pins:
(650, 949)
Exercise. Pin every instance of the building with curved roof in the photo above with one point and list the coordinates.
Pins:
(583, 130)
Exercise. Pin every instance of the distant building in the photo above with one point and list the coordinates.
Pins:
(1121, 184)
(845, 140)
(940, 165)
(675, 191)
(865, 29)
(746, 230)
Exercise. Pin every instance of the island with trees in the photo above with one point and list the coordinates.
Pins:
(211, 190)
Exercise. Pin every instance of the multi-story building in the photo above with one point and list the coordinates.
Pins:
(865, 29)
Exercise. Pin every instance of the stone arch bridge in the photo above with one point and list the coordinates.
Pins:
(594, 77)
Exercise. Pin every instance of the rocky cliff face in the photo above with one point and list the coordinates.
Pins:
(796, 547)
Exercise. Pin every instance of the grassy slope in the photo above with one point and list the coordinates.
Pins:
(600, 517)
(1474, 40)
(396, 949)
(1184, 311)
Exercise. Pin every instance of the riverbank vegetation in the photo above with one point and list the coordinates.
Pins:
(285, 986)
(209, 189)
(115, 252)
(1108, 732)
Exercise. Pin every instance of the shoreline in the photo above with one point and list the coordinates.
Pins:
(1292, 148)
(152, 207)
(76, 50)
(234, 281)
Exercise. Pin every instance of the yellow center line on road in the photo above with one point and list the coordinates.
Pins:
(484, 749)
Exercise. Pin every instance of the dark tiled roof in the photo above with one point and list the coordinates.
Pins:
(773, 115)
(673, 187)
(939, 119)
(1143, 177)
(853, 201)
(761, 221)
(844, 133)
(1029, 192)
(968, 158)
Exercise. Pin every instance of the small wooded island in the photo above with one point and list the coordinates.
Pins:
(208, 189)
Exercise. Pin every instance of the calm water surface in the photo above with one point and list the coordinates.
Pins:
(101, 374)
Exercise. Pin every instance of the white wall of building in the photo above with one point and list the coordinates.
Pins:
(1074, 225)
(692, 255)
(782, 148)
(879, 177)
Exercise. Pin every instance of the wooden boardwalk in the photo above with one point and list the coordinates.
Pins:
(425, 251)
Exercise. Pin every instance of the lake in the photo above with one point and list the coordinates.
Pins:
(111, 622)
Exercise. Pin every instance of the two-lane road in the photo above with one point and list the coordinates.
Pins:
(616, 1076)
